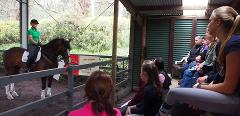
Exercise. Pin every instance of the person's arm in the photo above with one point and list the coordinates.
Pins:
(232, 76)
(43, 37)
(145, 104)
(31, 39)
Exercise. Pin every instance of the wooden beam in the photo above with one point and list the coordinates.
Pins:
(145, 8)
(133, 11)
(114, 45)
(194, 28)
(171, 44)
(177, 17)
(143, 46)
(131, 46)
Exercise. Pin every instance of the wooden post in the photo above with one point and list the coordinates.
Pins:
(114, 45)
(131, 46)
(194, 28)
(171, 44)
(143, 46)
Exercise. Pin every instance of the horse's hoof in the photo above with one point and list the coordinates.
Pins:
(43, 94)
(49, 93)
(14, 93)
(10, 97)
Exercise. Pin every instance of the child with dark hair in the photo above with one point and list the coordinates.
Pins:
(152, 93)
(98, 90)
(163, 76)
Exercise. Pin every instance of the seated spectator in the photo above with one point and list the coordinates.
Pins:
(221, 98)
(188, 79)
(164, 79)
(163, 76)
(207, 66)
(98, 90)
(210, 55)
(204, 47)
(209, 77)
(194, 52)
(152, 99)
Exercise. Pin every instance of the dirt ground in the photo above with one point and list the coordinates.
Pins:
(29, 91)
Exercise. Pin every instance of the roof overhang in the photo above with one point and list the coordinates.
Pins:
(172, 7)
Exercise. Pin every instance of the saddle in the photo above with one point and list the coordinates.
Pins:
(30, 57)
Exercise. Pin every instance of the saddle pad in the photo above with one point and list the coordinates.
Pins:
(25, 56)
(26, 53)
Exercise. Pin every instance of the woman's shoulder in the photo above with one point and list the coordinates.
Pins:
(118, 113)
(85, 110)
(233, 44)
(149, 89)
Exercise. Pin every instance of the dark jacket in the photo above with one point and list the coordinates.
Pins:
(194, 52)
(150, 103)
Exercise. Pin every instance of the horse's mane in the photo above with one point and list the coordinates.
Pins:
(54, 41)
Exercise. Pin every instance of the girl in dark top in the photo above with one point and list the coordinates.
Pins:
(220, 97)
(152, 99)
(163, 75)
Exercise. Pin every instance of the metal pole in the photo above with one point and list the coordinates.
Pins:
(114, 45)
(23, 22)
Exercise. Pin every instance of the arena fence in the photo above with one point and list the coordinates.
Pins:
(70, 87)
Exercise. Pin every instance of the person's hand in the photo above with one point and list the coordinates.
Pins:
(39, 44)
(194, 107)
(128, 111)
(44, 37)
(201, 79)
(198, 68)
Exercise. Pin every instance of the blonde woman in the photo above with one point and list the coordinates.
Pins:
(223, 98)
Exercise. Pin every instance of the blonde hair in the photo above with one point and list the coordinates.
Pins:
(230, 19)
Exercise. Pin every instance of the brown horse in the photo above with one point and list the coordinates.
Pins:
(12, 59)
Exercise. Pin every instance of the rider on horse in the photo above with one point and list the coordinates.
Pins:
(34, 42)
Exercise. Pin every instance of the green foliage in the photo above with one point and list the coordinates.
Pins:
(97, 37)
(9, 32)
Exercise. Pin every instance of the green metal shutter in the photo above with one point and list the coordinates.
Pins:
(136, 55)
(157, 39)
(201, 26)
(182, 38)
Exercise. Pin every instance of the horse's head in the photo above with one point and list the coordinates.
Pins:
(62, 47)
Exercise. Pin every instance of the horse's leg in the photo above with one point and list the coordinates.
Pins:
(44, 79)
(12, 90)
(9, 96)
(49, 93)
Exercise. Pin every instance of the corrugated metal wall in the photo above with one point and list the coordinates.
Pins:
(201, 26)
(157, 39)
(182, 38)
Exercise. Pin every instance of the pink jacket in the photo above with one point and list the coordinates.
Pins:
(86, 110)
